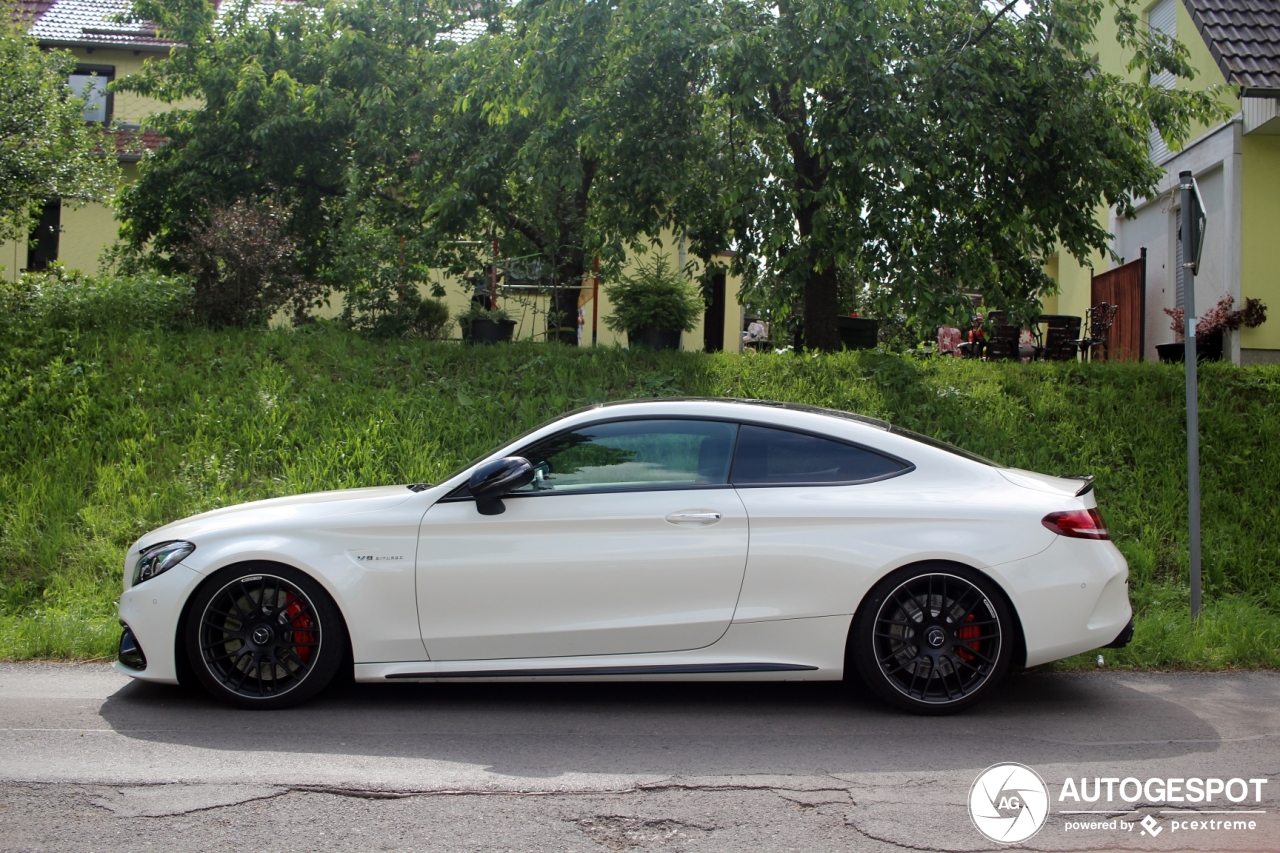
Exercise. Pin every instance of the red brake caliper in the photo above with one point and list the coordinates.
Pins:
(969, 632)
(300, 622)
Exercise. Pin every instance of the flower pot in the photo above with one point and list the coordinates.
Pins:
(485, 331)
(567, 335)
(654, 338)
(1208, 348)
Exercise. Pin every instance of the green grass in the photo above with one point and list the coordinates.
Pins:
(106, 433)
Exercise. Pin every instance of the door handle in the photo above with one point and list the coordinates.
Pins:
(702, 517)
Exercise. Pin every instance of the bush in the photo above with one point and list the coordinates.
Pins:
(59, 298)
(412, 316)
(656, 297)
(242, 261)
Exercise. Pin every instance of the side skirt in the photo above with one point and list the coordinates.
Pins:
(611, 671)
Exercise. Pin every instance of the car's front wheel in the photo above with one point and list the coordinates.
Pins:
(264, 636)
(932, 639)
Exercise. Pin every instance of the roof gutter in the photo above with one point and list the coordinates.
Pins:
(149, 48)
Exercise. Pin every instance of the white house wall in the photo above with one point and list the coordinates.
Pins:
(1214, 159)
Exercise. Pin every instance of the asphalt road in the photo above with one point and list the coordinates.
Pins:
(90, 761)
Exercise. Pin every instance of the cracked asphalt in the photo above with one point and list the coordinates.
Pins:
(91, 761)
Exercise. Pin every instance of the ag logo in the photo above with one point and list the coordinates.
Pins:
(1008, 803)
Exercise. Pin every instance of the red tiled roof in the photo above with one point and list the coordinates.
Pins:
(94, 22)
(134, 142)
(30, 9)
(1244, 38)
(101, 22)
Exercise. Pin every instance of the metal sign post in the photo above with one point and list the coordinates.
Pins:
(1191, 230)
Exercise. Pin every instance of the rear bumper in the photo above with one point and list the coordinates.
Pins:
(1072, 597)
(1123, 640)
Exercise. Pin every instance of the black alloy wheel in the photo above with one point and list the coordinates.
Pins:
(264, 636)
(933, 640)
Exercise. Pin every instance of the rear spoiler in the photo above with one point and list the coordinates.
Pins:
(1088, 482)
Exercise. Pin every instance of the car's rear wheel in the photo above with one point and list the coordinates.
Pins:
(933, 638)
(264, 636)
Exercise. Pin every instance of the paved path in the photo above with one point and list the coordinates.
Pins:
(90, 761)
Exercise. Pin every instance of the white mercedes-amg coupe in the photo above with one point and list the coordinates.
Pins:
(652, 540)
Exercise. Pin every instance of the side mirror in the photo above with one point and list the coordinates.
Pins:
(494, 479)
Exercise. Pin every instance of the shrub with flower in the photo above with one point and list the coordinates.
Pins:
(1221, 317)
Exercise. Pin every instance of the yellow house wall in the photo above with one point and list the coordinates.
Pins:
(88, 229)
(126, 106)
(1260, 235)
(1115, 58)
(1075, 293)
(1049, 304)
(530, 310)
(1072, 277)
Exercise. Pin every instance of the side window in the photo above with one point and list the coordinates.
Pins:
(637, 454)
(780, 457)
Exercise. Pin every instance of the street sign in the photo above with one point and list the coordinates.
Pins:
(1191, 232)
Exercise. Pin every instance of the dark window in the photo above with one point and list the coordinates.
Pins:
(633, 454)
(89, 83)
(777, 457)
(42, 247)
(713, 321)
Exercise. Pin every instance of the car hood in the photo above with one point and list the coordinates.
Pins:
(296, 508)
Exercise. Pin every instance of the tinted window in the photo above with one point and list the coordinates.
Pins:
(775, 456)
(641, 454)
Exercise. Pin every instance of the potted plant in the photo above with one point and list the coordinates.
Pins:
(1221, 318)
(480, 325)
(654, 306)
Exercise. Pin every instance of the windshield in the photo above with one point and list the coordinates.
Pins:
(456, 471)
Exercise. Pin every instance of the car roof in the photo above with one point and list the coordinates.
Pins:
(741, 401)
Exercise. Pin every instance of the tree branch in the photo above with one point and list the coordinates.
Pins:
(970, 41)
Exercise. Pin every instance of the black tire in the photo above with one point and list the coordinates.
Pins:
(264, 636)
(933, 638)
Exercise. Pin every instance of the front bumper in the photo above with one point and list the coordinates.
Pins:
(151, 611)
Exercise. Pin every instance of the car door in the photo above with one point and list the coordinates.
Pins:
(629, 540)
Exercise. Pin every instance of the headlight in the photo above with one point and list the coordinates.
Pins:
(159, 559)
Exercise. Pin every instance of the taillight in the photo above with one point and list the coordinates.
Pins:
(1079, 523)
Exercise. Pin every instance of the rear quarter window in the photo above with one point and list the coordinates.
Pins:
(773, 457)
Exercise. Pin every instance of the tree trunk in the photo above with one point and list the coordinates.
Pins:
(564, 300)
(820, 305)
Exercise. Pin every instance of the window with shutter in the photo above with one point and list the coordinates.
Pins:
(1161, 18)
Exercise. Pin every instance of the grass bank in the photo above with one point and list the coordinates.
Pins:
(106, 433)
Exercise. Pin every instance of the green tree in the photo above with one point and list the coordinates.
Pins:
(564, 128)
(571, 127)
(932, 147)
(47, 151)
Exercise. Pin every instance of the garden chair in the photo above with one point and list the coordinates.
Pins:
(1099, 320)
(1003, 343)
(1060, 338)
(949, 339)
